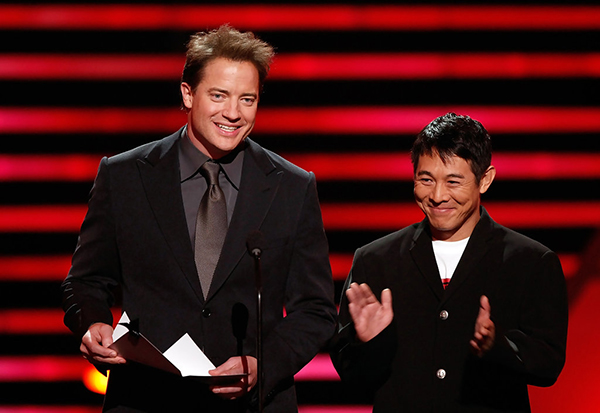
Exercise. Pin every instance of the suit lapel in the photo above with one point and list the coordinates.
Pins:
(422, 254)
(258, 187)
(160, 176)
(476, 249)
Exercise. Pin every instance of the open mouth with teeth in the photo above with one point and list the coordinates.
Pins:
(228, 128)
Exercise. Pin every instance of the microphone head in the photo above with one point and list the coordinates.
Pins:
(255, 243)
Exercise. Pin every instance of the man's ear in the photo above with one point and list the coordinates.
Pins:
(487, 179)
(187, 95)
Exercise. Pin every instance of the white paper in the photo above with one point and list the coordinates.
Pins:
(188, 358)
(185, 355)
(120, 330)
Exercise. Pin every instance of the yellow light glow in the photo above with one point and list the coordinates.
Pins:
(94, 380)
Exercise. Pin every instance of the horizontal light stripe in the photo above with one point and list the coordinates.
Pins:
(312, 66)
(435, 66)
(36, 321)
(398, 166)
(39, 168)
(410, 120)
(32, 321)
(72, 368)
(319, 369)
(534, 214)
(350, 120)
(41, 368)
(340, 216)
(299, 17)
(51, 218)
(26, 268)
(34, 267)
(326, 166)
(90, 67)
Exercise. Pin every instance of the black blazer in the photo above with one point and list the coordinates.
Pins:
(135, 235)
(432, 326)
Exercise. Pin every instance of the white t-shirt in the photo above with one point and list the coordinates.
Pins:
(447, 256)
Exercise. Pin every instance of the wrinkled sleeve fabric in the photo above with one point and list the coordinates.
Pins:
(537, 349)
(354, 360)
(95, 269)
(310, 309)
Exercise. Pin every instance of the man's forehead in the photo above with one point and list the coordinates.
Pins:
(451, 165)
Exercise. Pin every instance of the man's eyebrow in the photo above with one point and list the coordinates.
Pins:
(455, 176)
(226, 92)
(216, 89)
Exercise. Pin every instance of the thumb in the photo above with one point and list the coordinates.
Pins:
(386, 299)
(106, 335)
(484, 306)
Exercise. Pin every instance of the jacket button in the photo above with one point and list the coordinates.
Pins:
(443, 315)
(206, 312)
(441, 373)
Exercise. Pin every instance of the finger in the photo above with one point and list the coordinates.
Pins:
(228, 396)
(366, 292)
(106, 335)
(98, 338)
(109, 360)
(92, 348)
(101, 351)
(484, 304)
(93, 357)
(476, 349)
(106, 340)
(355, 297)
(234, 365)
(386, 299)
(229, 389)
(223, 369)
(353, 293)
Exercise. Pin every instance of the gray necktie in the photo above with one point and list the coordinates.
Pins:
(211, 226)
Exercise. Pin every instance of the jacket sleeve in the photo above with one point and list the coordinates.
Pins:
(310, 309)
(537, 348)
(95, 269)
(355, 361)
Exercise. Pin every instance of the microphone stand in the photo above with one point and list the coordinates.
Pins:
(256, 252)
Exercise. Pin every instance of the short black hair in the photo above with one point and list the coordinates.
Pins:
(451, 135)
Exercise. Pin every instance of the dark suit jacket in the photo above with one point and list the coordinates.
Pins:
(432, 326)
(135, 235)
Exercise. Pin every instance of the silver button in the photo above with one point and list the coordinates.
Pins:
(441, 373)
(443, 315)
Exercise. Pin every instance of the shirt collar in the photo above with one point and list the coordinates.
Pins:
(191, 159)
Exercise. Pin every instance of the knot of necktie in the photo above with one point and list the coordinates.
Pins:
(210, 171)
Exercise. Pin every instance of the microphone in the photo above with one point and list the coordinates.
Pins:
(255, 243)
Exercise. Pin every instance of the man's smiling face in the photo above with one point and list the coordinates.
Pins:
(222, 109)
(449, 195)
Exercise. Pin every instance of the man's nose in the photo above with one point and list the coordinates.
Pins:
(439, 194)
(231, 110)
